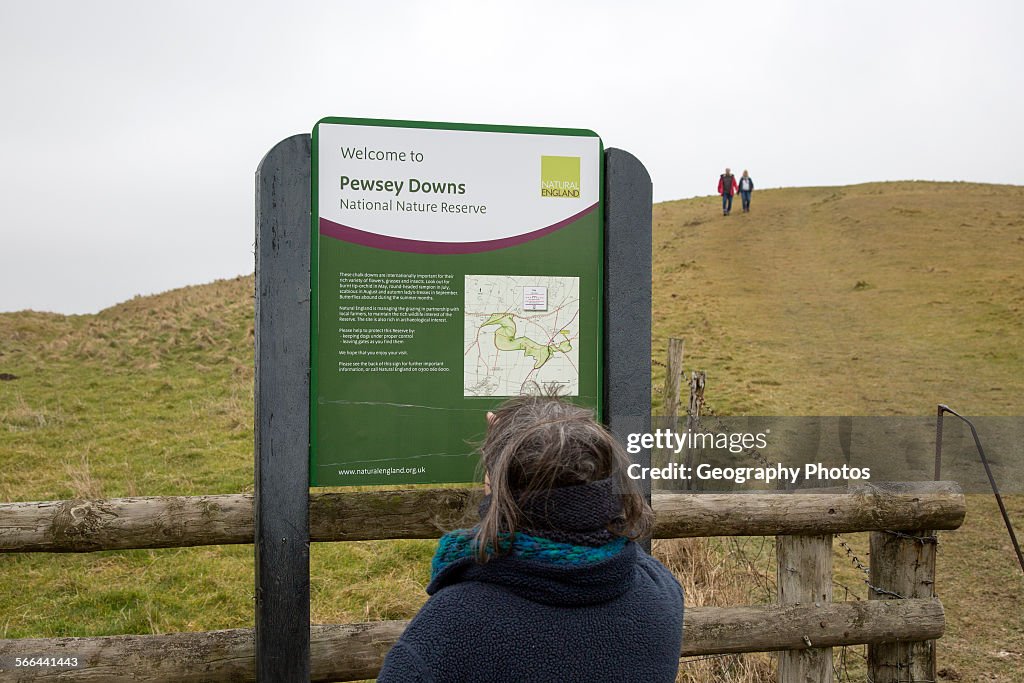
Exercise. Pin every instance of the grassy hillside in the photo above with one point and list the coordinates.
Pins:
(154, 397)
(872, 299)
(876, 299)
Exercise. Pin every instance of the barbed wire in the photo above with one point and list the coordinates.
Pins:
(922, 540)
(852, 555)
(709, 421)
(864, 568)
(721, 427)
(701, 422)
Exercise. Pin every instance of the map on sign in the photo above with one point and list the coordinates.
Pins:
(521, 335)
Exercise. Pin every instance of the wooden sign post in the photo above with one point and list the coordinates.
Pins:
(282, 385)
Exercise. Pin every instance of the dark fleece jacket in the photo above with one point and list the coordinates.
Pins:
(520, 620)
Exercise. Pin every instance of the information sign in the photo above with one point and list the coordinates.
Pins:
(453, 266)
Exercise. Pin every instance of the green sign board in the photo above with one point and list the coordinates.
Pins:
(453, 266)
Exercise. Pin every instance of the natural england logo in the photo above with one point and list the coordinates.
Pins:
(560, 177)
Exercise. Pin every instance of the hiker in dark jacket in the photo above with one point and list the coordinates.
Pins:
(746, 188)
(549, 585)
(726, 188)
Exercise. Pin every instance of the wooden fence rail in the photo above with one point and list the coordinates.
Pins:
(347, 652)
(801, 628)
(180, 521)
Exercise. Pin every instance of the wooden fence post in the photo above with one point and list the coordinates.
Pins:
(902, 566)
(670, 411)
(805, 577)
(673, 379)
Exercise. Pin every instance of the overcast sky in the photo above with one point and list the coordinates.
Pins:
(131, 130)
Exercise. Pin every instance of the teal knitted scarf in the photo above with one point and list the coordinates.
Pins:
(461, 543)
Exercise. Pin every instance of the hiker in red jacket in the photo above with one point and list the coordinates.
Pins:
(727, 188)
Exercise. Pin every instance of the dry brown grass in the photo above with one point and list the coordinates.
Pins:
(712, 577)
(22, 417)
(79, 477)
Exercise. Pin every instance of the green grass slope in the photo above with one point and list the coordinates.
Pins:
(154, 397)
(876, 299)
(872, 299)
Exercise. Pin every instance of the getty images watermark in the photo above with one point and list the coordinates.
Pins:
(667, 441)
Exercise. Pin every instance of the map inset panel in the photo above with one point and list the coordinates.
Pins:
(521, 335)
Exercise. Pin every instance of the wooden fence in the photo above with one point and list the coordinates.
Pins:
(804, 625)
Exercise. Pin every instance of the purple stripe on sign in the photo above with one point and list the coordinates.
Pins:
(369, 239)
